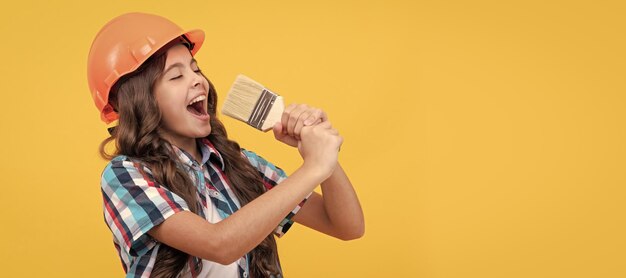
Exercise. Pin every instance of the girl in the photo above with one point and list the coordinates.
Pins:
(181, 199)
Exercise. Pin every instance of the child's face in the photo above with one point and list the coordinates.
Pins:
(177, 91)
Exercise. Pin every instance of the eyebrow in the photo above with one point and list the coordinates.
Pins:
(179, 64)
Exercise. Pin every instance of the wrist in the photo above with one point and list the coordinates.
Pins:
(316, 171)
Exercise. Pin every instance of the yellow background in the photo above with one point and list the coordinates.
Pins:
(484, 138)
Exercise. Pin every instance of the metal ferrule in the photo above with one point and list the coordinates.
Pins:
(262, 109)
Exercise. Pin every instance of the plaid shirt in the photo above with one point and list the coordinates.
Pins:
(134, 203)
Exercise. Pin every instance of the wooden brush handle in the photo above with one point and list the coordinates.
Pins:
(275, 114)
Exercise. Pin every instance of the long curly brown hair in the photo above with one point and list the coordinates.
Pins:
(138, 137)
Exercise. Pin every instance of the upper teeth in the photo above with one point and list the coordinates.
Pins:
(198, 98)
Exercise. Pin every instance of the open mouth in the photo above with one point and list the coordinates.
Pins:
(197, 106)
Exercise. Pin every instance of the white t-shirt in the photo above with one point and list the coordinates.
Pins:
(209, 268)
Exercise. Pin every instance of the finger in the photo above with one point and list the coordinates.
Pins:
(278, 130)
(301, 122)
(294, 116)
(323, 125)
(313, 117)
(340, 143)
(285, 117)
(322, 119)
(280, 136)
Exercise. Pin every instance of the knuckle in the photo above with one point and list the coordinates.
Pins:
(289, 108)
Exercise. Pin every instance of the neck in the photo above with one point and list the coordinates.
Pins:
(189, 145)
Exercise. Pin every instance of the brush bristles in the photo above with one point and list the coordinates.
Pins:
(242, 98)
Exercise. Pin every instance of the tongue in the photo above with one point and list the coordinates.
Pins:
(196, 108)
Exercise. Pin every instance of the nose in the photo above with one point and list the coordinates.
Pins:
(197, 80)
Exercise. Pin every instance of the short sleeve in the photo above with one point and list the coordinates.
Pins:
(273, 176)
(134, 203)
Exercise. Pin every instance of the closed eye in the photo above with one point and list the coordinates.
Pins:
(176, 77)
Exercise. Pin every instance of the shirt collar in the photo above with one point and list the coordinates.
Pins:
(208, 151)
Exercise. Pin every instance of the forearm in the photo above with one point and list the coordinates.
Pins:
(231, 238)
(247, 227)
(342, 205)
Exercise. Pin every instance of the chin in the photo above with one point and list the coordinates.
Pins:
(203, 132)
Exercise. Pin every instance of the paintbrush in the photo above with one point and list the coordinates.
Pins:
(250, 102)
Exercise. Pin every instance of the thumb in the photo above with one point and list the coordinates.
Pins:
(280, 136)
(278, 131)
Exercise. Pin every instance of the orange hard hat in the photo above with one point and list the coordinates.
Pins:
(122, 45)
